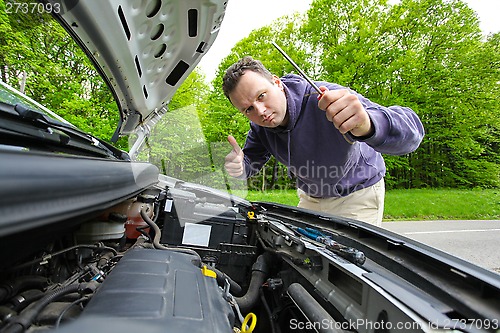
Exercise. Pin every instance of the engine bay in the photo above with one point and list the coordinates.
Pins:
(179, 257)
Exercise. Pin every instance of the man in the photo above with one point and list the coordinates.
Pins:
(331, 142)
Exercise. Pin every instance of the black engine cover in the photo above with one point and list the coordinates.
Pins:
(156, 291)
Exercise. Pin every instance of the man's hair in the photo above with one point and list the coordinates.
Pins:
(236, 70)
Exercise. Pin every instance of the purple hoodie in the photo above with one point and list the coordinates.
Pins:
(325, 164)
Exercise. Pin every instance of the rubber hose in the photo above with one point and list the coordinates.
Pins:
(260, 271)
(156, 239)
(25, 320)
(12, 288)
(22, 300)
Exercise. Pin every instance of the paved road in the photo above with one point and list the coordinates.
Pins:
(475, 241)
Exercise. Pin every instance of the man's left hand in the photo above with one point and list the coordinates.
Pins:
(345, 111)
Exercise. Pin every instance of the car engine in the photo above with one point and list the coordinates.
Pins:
(179, 257)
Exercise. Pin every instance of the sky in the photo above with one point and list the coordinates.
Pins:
(243, 16)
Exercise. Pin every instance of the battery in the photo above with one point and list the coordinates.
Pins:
(188, 222)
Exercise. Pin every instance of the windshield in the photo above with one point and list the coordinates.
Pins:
(12, 97)
(179, 148)
(56, 72)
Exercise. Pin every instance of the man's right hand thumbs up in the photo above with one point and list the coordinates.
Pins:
(234, 160)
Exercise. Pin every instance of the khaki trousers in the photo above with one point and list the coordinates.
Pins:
(365, 205)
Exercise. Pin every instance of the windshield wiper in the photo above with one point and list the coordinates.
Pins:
(48, 133)
(35, 115)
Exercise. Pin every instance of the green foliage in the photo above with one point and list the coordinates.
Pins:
(442, 203)
(55, 72)
(178, 144)
(429, 55)
(416, 204)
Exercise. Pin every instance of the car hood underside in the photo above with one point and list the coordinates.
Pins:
(153, 47)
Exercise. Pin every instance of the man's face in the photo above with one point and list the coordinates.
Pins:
(261, 101)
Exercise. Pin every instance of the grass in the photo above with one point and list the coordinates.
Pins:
(418, 204)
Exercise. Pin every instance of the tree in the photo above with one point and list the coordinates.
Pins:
(429, 55)
(425, 54)
(57, 73)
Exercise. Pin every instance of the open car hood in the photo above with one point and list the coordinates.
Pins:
(154, 47)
